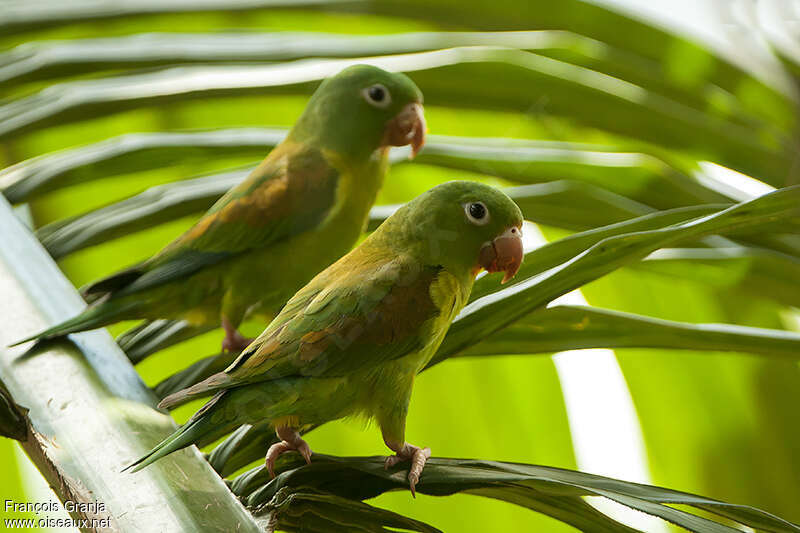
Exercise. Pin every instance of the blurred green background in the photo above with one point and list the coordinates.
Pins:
(720, 424)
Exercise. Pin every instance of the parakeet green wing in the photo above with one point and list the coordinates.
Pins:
(336, 325)
(292, 193)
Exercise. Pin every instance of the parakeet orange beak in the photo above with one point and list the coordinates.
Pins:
(407, 127)
(503, 254)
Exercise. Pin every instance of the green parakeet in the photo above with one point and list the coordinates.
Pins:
(351, 341)
(301, 209)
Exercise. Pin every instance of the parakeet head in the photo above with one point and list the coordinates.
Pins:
(363, 108)
(463, 226)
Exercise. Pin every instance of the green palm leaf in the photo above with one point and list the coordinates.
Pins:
(553, 491)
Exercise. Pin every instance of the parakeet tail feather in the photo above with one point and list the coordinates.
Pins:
(92, 318)
(199, 427)
(205, 388)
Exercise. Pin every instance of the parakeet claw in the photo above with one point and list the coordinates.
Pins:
(305, 451)
(418, 456)
(291, 440)
(233, 341)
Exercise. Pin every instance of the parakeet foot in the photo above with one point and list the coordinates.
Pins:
(233, 341)
(408, 452)
(290, 440)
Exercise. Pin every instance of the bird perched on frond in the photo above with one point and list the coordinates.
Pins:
(351, 341)
(301, 209)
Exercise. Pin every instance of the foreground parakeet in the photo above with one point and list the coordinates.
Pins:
(301, 209)
(351, 341)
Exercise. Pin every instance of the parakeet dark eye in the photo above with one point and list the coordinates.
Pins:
(377, 95)
(477, 213)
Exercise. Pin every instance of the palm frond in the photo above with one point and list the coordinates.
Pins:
(553, 491)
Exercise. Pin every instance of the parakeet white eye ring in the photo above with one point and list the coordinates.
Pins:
(477, 213)
(377, 95)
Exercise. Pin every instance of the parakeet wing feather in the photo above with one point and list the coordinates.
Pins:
(346, 326)
(348, 318)
(114, 282)
(290, 192)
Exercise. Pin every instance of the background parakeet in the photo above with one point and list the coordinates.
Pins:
(351, 341)
(301, 209)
